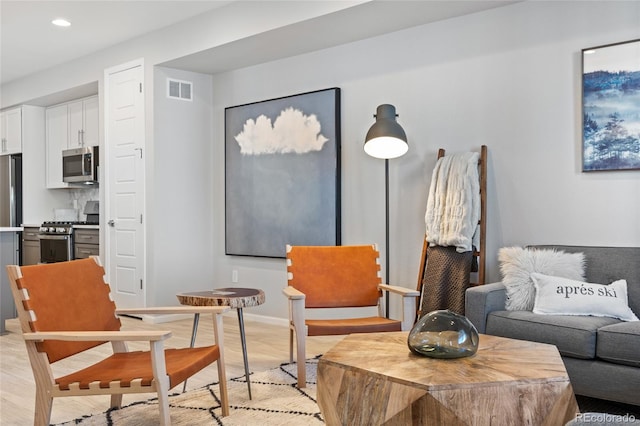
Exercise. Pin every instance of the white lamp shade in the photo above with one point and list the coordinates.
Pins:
(386, 147)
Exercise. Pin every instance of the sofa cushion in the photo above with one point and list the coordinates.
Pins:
(620, 343)
(574, 336)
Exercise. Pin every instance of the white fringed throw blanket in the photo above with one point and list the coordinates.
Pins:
(453, 206)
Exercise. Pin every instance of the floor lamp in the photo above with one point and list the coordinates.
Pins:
(386, 140)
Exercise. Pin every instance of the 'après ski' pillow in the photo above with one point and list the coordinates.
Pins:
(563, 296)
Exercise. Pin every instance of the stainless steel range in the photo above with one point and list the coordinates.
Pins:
(56, 242)
(56, 237)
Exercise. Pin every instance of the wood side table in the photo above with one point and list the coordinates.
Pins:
(373, 378)
(236, 298)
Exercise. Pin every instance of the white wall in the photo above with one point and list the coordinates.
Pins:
(180, 238)
(219, 27)
(508, 78)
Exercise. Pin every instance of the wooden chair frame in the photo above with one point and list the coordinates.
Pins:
(46, 387)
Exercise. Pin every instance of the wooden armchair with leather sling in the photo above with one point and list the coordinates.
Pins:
(65, 309)
(338, 277)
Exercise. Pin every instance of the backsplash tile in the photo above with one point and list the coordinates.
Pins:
(82, 195)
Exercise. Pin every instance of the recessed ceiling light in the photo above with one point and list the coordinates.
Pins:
(61, 22)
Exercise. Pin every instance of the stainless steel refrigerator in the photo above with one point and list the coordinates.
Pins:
(10, 190)
(10, 216)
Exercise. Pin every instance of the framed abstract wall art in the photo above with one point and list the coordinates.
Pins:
(282, 174)
(611, 107)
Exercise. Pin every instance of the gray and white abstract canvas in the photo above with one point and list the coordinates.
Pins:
(282, 171)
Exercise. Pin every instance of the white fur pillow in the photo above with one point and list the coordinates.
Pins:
(517, 264)
(562, 296)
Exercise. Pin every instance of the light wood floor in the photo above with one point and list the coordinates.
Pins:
(268, 347)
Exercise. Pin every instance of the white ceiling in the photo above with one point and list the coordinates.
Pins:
(29, 43)
(365, 20)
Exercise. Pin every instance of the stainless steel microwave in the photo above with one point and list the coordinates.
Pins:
(80, 165)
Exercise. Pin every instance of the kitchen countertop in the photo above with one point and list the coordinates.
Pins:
(86, 226)
(25, 225)
(21, 228)
(10, 228)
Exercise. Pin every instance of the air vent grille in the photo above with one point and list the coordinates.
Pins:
(179, 89)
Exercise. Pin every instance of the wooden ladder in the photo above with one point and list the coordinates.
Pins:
(480, 252)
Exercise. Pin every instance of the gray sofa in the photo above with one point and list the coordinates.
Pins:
(601, 355)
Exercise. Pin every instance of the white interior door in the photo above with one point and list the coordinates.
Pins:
(124, 192)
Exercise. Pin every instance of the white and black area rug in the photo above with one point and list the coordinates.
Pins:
(276, 401)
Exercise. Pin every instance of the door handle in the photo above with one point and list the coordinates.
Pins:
(111, 223)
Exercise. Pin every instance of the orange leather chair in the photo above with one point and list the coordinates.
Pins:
(338, 277)
(65, 309)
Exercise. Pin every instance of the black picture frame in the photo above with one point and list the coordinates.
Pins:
(282, 174)
(611, 107)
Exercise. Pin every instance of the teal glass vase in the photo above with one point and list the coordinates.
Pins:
(443, 334)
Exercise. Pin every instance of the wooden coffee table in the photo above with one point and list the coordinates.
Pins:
(373, 379)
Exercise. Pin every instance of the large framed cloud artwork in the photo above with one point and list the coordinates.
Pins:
(611, 107)
(282, 174)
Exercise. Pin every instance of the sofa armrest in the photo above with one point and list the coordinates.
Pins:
(483, 299)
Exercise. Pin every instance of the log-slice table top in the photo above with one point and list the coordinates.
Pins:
(373, 378)
(234, 297)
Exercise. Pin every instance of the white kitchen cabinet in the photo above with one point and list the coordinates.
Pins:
(70, 125)
(83, 122)
(37, 200)
(11, 131)
(57, 136)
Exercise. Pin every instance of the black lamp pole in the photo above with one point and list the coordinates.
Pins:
(386, 235)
